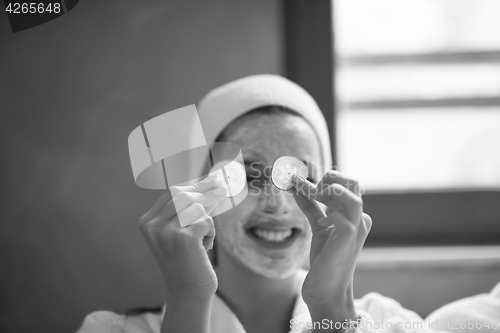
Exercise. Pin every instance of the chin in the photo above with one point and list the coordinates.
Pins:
(280, 271)
(273, 262)
(272, 248)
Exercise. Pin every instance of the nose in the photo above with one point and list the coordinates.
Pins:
(274, 200)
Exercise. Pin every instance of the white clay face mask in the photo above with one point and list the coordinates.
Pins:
(236, 241)
(283, 169)
(237, 244)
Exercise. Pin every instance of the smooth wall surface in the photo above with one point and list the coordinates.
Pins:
(426, 290)
(71, 91)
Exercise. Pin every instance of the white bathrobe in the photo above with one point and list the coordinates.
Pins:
(378, 314)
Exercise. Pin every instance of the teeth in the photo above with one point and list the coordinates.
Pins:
(272, 236)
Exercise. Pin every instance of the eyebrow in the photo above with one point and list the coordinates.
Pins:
(249, 163)
(252, 157)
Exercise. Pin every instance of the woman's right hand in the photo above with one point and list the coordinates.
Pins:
(181, 252)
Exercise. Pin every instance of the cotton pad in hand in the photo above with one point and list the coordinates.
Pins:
(232, 175)
(283, 169)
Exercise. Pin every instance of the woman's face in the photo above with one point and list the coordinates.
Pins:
(267, 232)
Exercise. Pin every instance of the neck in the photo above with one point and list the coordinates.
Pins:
(254, 297)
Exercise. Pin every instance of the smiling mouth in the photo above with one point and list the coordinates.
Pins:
(272, 236)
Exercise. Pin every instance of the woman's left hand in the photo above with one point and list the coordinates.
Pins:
(338, 237)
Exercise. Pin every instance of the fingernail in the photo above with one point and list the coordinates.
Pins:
(209, 179)
(325, 222)
(220, 191)
(218, 183)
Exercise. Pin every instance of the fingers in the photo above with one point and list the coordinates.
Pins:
(191, 214)
(347, 232)
(187, 206)
(365, 226)
(210, 208)
(368, 221)
(185, 217)
(202, 186)
(184, 199)
(342, 225)
(343, 243)
(311, 209)
(199, 225)
(338, 250)
(203, 228)
(335, 196)
(333, 176)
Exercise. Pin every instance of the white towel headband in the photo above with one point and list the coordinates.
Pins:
(226, 103)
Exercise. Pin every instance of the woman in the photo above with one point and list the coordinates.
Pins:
(254, 282)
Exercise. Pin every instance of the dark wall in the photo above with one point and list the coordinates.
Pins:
(71, 91)
(434, 218)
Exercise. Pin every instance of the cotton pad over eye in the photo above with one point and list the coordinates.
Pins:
(232, 175)
(283, 169)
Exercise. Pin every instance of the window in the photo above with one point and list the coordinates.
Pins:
(413, 107)
(420, 81)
